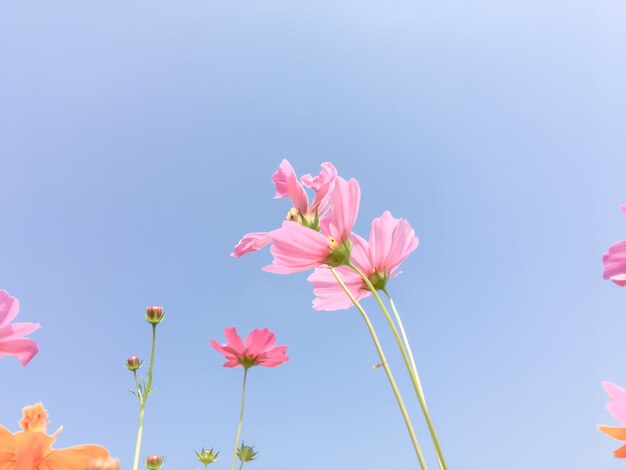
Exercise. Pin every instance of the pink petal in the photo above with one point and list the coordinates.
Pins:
(259, 341)
(391, 242)
(274, 357)
(232, 363)
(234, 340)
(251, 242)
(9, 308)
(614, 261)
(17, 330)
(360, 254)
(344, 202)
(620, 280)
(287, 184)
(404, 242)
(23, 349)
(323, 185)
(329, 295)
(617, 403)
(297, 248)
(624, 209)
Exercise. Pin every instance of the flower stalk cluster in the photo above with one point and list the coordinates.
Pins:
(154, 316)
(347, 268)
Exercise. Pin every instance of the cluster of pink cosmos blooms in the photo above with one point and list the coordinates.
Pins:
(319, 235)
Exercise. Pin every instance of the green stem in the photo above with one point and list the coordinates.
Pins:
(409, 363)
(431, 427)
(142, 408)
(243, 402)
(241, 466)
(151, 358)
(383, 360)
(143, 398)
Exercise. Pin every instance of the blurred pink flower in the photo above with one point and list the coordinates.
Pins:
(614, 261)
(391, 241)
(259, 349)
(12, 335)
(617, 407)
(287, 185)
(297, 248)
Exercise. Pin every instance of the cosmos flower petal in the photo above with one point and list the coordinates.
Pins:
(23, 349)
(323, 185)
(287, 184)
(234, 340)
(329, 295)
(259, 341)
(617, 401)
(614, 261)
(297, 248)
(344, 202)
(9, 308)
(391, 242)
(17, 330)
(273, 357)
(251, 242)
(618, 433)
(73, 458)
(620, 453)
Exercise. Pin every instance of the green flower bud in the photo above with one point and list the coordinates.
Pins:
(206, 456)
(246, 453)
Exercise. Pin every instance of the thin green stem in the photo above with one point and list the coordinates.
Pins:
(142, 408)
(243, 402)
(151, 358)
(143, 398)
(431, 427)
(409, 362)
(385, 364)
(241, 466)
(137, 385)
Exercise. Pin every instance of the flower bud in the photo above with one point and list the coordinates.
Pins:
(246, 453)
(133, 363)
(103, 464)
(154, 462)
(154, 315)
(206, 456)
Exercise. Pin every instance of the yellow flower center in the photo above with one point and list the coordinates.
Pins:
(35, 418)
(293, 215)
(333, 243)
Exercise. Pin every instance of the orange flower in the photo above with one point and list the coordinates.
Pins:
(30, 449)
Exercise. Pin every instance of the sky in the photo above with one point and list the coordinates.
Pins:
(137, 143)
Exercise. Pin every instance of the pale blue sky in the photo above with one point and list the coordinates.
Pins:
(137, 143)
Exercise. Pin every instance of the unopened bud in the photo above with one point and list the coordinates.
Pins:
(154, 315)
(206, 456)
(154, 462)
(246, 453)
(133, 363)
(103, 464)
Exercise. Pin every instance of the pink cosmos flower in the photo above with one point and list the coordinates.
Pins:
(287, 185)
(617, 407)
(12, 335)
(297, 248)
(391, 241)
(614, 261)
(259, 349)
